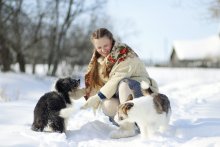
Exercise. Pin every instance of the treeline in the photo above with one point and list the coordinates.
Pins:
(48, 32)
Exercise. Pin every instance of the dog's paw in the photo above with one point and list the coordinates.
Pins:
(122, 134)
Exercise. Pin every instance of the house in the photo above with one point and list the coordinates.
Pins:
(196, 53)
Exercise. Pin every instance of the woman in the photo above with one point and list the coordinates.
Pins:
(114, 72)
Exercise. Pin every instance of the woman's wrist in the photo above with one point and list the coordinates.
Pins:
(101, 95)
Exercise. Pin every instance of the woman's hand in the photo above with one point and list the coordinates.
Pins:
(92, 102)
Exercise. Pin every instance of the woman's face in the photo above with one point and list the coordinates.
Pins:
(103, 45)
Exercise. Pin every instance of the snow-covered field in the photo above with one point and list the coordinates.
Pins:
(195, 120)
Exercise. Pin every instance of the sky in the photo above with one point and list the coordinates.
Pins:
(151, 26)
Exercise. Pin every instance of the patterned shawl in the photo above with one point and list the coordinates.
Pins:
(118, 54)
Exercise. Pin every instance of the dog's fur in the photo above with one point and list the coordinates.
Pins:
(54, 108)
(151, 112)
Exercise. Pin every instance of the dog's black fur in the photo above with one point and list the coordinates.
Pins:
(47, 110)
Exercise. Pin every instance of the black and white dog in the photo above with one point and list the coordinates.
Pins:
(54, 108)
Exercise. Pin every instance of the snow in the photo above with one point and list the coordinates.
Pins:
(198, 49)
(195, 121)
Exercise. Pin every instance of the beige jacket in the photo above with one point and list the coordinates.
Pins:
(132, 68)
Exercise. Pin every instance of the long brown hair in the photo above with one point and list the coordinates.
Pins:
(94, 80)
(101, 32)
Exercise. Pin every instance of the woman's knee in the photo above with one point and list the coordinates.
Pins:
(124, 91)
(110, 106)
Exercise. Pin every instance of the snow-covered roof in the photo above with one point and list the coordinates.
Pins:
(198, 49)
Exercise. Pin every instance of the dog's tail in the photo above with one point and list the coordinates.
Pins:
(66, 112)
(145, 88)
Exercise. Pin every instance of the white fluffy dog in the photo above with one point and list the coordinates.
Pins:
(151, 112)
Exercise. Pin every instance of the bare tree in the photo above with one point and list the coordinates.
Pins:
(24, 34)
(18, 29)
(5, 54)
(37, 45)
(55, 31)
(59, 31)
(15, 33)
(215, 9)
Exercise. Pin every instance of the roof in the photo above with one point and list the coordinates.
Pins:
(198, 49)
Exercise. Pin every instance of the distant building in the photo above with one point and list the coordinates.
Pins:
(196, 53)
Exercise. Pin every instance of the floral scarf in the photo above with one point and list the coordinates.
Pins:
(118, 54)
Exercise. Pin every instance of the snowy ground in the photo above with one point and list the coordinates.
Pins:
(195, 120)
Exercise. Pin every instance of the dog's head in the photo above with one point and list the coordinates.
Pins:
(122, 114)
(66, 85)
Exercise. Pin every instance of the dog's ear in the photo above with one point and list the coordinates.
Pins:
(145, 88)
(130, 97)
(126, 107)
(129, 105)
(58, 85)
